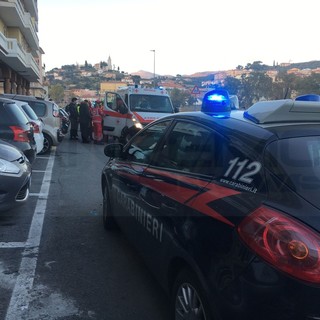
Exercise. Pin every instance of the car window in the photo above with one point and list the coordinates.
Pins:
(296, 162)
(150, 103)
(143, 145)
(39, 108)
(29, 111)
(14, 115)
(189, 147)
(5, 117)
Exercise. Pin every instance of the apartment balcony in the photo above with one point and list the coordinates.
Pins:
(31, 6)
(12, 54)
(14, 15)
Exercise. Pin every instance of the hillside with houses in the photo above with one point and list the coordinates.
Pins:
(91, 81)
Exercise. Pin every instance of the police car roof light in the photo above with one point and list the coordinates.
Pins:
(308, 97)
(287, 110)
(216, 101)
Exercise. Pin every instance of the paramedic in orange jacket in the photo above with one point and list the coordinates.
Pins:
(97, 117)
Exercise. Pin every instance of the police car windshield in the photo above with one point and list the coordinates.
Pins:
(296, 161)
(150, 103)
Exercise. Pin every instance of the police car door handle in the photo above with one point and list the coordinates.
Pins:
(149, 198)
(132, 186)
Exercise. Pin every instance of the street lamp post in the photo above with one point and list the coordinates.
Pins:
(154, 67)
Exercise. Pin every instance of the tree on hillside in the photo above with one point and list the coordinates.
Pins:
(308, 85)
(254, 87)
(56, 93)
(136, 79)
(232, 85)
(103, 64)
(179, 97)
(283, 85)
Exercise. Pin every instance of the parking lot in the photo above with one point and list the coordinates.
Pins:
(57, 261)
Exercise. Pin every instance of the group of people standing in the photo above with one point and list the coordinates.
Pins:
(90, 118)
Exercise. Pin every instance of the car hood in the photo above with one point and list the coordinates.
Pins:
(9, 152)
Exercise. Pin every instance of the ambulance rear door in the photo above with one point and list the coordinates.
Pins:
(116, 113)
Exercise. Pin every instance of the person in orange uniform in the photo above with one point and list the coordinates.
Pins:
(97, 117)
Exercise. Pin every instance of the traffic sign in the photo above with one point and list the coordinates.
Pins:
(195, 90)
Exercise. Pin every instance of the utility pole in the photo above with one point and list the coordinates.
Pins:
(154, 67)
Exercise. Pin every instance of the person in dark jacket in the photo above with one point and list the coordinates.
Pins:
(85, 121)
(74, 118)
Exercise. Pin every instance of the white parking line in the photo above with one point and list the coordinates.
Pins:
(6, 245)
(21, 295)
(39, 195)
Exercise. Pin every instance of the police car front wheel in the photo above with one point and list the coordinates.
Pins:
(188, 300)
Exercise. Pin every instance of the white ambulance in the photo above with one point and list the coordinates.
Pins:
(130, 108)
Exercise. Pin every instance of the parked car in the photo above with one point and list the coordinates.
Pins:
(48, 111)
(16, 129)
(15, 176)
(224, 207)
(65, 121)
(36, 123)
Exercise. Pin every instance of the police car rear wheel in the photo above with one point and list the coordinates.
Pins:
(188, 300)
(107, 216)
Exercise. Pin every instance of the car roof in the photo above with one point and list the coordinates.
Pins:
(6, 100)
(284, 111)
(25, 98)
(264, 120)
(20, 96)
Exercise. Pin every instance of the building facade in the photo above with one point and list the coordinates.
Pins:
(21, 68)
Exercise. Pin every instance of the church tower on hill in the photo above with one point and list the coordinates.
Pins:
(109, 64)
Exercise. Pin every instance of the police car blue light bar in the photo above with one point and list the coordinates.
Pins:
(216, 101)
(308, 97)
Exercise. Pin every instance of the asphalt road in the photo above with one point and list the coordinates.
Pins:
(56, 259)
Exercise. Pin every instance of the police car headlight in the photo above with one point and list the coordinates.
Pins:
(8, 167)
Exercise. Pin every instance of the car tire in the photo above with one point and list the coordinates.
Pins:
(188, 300)
(107, 214)
(47, 144)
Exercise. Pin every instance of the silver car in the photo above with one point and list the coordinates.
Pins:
(15, 177)
(48, 112)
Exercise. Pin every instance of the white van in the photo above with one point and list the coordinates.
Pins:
(130, 108)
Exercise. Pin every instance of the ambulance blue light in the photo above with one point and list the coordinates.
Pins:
(216, 101)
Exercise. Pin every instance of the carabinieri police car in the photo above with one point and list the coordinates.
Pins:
(224, 207)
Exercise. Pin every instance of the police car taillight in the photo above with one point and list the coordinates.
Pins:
(285, 243)
(216, 101)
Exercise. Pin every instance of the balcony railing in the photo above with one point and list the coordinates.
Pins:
(21, 60)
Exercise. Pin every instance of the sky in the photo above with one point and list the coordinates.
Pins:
(187, 36)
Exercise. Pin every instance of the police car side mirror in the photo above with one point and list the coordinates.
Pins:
(113, 150)
(176, 110)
